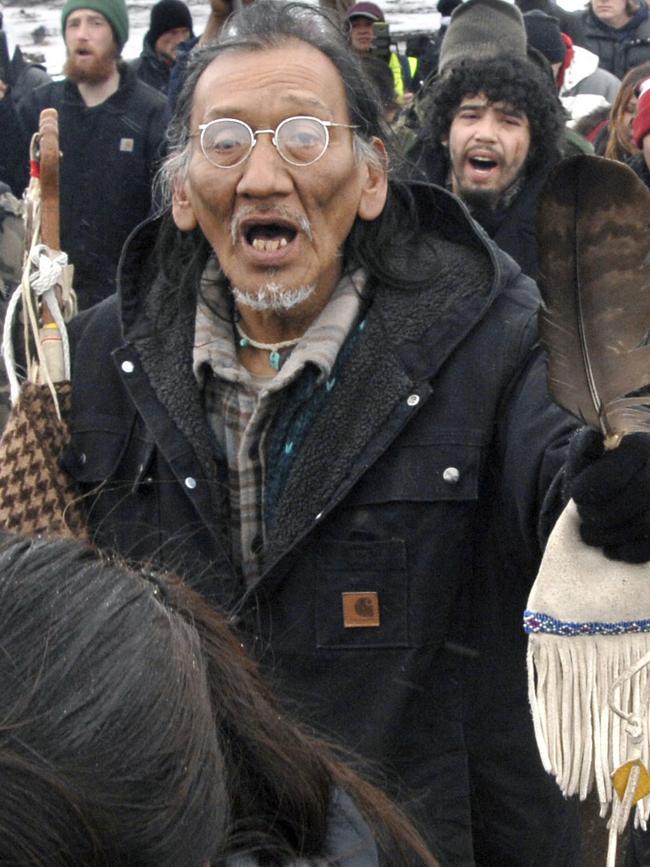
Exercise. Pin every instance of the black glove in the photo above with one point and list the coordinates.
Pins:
(612, 492)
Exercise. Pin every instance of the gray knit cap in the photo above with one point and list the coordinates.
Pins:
(481, 30)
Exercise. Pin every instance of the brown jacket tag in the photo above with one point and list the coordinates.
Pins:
(360, 609)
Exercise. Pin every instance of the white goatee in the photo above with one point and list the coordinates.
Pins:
(272, 296)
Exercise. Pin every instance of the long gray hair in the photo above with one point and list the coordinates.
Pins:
(271, 24)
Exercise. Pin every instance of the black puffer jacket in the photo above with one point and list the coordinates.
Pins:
(418, 487)
(618, 49)
(109, 154)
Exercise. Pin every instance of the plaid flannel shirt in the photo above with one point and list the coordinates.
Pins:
(240, 406)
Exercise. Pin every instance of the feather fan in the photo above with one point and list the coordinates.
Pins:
(593, 238)
(588, 618)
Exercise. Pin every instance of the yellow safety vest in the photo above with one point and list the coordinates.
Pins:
(395, 66)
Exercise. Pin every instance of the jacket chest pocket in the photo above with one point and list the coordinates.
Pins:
(362, 594)
(398, 547)
(421, 473)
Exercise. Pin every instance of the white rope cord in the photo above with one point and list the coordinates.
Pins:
(43, 271)
(8, 346)
(28, 305)
(634, 729)
(49, 274)
(33, 202)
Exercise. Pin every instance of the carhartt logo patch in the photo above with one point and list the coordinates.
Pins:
(360, 609)
(126, 145)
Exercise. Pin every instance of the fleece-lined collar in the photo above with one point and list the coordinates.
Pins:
(407, 335)
(449, 239)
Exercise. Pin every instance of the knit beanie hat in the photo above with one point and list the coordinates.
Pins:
(544, 34)
(167, 15)
(446, 7)
(482, 30)
(114, 11)
(641, 126)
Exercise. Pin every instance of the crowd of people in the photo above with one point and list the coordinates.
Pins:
(310, 408)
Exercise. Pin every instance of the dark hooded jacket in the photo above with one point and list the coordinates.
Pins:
(24, 76)
(418, 486)
(512, 227)
(618, 49)
(109, 154)
(151, 68)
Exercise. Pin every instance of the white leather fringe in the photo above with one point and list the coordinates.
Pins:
(589, 671)
(581, 740)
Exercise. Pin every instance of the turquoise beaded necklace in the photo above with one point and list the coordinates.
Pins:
(273, 349)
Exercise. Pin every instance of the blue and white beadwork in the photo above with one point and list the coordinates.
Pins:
(534, 622)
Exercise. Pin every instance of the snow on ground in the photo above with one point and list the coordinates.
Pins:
(22, 19)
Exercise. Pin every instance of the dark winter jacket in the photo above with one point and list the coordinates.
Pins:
(417, 487)
(24, 76)
(513, 227)
(638, 850)
(151, 68)
(109, 154)
(14, 148)
(618, 49)
(639, 166)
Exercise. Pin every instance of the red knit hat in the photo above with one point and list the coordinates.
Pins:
(641, 126)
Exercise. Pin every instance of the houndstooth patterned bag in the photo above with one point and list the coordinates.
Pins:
(36, 495)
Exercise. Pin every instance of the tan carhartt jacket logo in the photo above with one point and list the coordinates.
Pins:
(360, 609)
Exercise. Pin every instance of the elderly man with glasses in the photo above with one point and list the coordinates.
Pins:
(319, 396)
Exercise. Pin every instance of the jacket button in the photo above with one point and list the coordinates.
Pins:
(451, 476)
(413, 399)
(82, 459)
(127, 366)
(190, 483)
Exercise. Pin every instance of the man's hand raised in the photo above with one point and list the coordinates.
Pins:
(611, 489)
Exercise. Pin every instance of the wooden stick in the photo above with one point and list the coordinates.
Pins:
(48, 129)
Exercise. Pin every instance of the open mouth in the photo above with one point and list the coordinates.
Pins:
(269, 237)
(482, 164)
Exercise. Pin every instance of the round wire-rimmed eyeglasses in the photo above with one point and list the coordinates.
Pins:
(226, 142)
